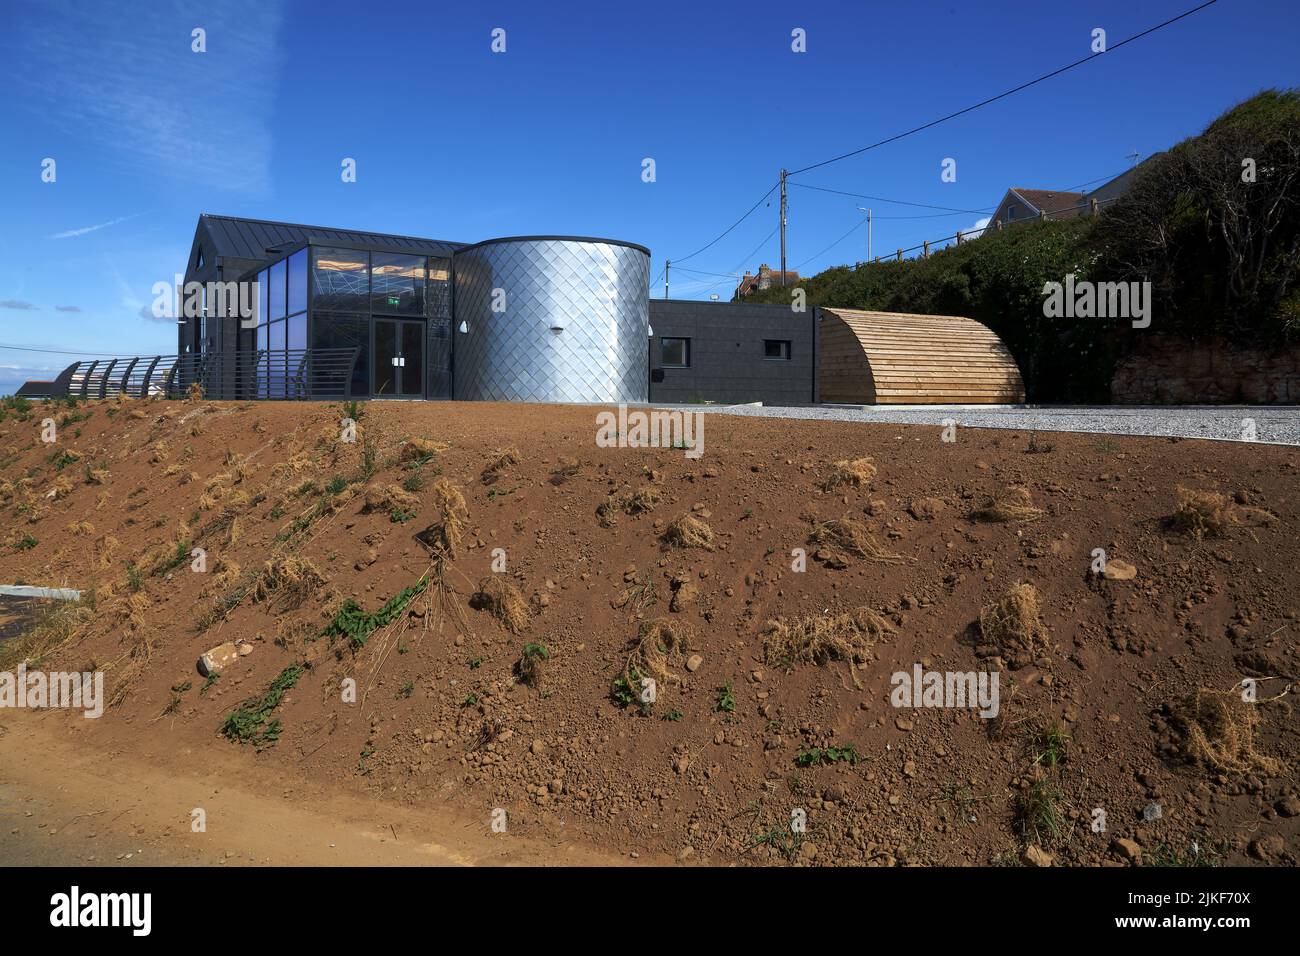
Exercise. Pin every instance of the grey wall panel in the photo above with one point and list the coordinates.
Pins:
(727, 362)
(574, 325)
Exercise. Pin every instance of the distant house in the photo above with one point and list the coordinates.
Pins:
(1020, 204)
(765, 279)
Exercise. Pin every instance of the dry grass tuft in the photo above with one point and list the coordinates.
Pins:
(818, 639)
(1010, 504)
(418, 449)
(1013, 626)
(1217, 728)
(660, 647)
(443, 536)
(136, 661)
(855, 474)
(502, 459)
(60, 488)
(81, 529)
(226, 573)
(53, 627)
(286, 583)
(296, 462)
(502, 599)
(640, 501)
(688, 531)
(1201, 513)
(847, 537)
(104, 549)
(388, 499)
(97, 476)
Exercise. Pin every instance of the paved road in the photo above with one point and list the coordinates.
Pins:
(1272, 424)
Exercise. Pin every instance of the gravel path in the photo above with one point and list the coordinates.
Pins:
(1273, 424)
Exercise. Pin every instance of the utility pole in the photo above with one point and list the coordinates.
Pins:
(783, 227)
(868, 212)
(667, 264)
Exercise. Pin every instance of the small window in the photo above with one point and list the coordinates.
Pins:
(776, 350)
(676, 353)
(199, 263)
(1011, 211)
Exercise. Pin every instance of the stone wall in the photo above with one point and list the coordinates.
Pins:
(1171, 371)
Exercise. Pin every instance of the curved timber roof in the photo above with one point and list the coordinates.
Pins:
(894, 358)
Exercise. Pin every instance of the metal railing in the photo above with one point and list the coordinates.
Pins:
(294, 374)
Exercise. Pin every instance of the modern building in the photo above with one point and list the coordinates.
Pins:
(531, 318)
(732, 353)
(272, 310)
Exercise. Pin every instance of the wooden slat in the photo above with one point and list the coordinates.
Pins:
(878, 357)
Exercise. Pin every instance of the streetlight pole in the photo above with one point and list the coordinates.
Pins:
(868, 212)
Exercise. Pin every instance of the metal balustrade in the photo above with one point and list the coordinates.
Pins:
(294, 374)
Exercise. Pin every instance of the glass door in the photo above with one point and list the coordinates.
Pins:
(399, 359)
(411, 360)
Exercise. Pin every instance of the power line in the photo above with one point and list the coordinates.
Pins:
(765, 241)
(717, 275)
(21, 348)
(729, 228)
(899, 202)
(976, 233)
(1006, 93)
(1099, 179)
(940, 120)
(856, 227)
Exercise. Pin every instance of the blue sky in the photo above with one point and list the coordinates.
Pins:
(455, 142)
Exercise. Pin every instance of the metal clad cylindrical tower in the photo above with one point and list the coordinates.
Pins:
(552, 319)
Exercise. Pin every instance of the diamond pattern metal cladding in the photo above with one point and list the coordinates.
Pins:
(574, 329)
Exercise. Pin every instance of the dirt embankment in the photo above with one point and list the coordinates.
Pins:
(461, 608)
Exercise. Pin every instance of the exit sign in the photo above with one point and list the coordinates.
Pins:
(394, 300)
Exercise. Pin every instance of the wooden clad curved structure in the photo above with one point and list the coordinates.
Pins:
(892, 358)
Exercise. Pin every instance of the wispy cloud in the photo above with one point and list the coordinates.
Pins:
(146, 313)
(977, 230)
(67, 308)
(162, 109)
(19, 304)
(85, 229)
(13, 376)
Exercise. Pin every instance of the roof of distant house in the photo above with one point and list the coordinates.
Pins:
(1058, 204)
(749, 283)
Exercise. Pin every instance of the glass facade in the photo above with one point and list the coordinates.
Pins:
(281, 326)
(340, 280)
(438, 359)
(397, 284)
(345, 330)
(335, 297)
(297, 283)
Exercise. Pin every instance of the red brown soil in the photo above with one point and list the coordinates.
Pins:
(443, 722)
